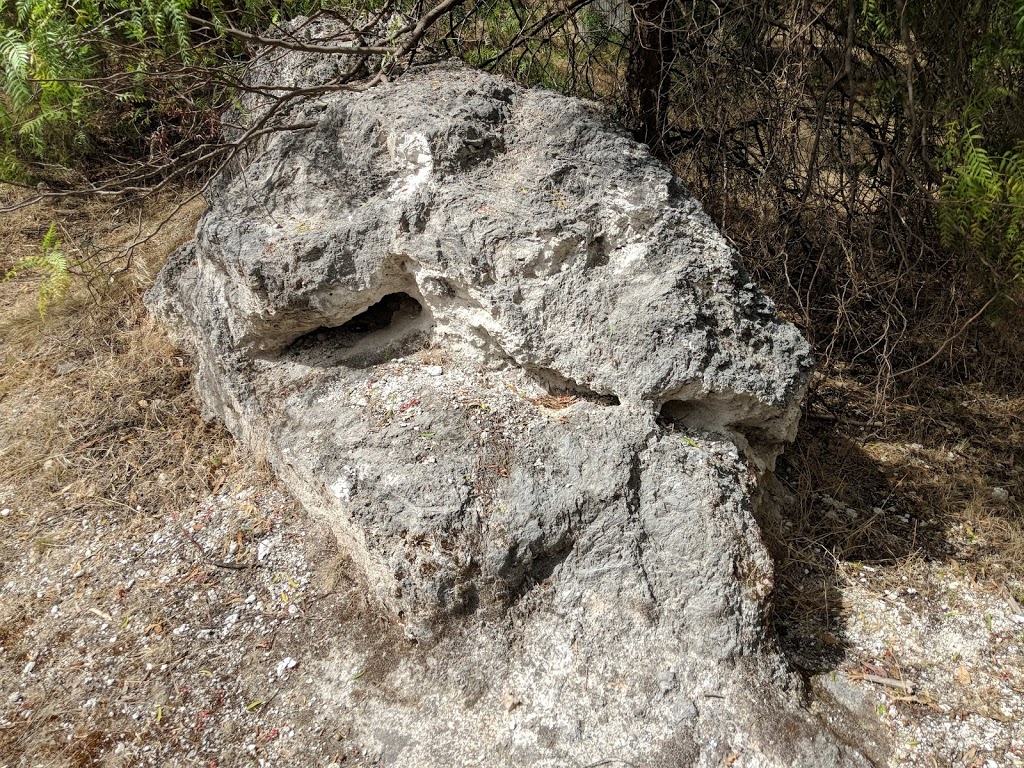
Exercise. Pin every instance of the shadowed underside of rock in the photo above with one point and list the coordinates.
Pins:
(509, 358)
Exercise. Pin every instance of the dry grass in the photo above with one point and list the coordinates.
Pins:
(95, 408)
(97, 420)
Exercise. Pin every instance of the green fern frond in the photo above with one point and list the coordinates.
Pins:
(1018, 12)
(24, 9)
(52, 263)
(15, 55)
(983, 198)
(40, 122)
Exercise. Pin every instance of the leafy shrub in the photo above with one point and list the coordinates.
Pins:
(89, 81)
(984, 199)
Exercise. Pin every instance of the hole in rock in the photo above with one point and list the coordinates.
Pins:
(394, 307)
(545, 566)
(705, 415)
(679, 413)
(558, 386)
(384, 328)
(715, 416)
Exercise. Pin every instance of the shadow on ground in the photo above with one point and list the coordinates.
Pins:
(939, 480)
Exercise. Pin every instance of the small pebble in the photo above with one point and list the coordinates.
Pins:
(285, 664)
(263, 549)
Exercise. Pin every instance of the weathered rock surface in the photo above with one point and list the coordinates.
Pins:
(510, 359)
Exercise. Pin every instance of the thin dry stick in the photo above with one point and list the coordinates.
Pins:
(949, 340)
(294, 45)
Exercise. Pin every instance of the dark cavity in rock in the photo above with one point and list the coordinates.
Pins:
(383, 327)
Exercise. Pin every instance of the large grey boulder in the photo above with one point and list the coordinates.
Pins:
(511, 361)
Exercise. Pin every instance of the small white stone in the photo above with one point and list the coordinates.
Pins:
(285, 664)
(434, 370)
(263, 549)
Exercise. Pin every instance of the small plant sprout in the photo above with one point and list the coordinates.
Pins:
(53, 264)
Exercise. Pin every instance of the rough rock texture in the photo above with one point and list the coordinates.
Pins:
(509, 358)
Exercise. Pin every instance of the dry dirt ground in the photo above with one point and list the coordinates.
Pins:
(164, 603)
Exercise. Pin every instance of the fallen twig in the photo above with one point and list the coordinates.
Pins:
(889, 682)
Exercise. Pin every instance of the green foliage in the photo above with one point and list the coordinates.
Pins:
(51, 262)
(974, 85)
(984, 199)
(42, 103)
(873, 20)
(92, 78)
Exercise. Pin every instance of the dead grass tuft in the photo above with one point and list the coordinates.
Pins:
(96, 414)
